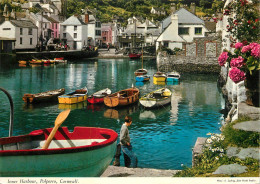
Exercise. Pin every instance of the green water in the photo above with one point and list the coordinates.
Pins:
(162, 138)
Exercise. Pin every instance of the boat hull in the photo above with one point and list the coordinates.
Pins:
(72, 161)
(122, 98)
(95, 100)
(151, 100)
(142, 78)
(47, 96)
(171, 79)
(134, 56)
(159, 79)
(67, 99)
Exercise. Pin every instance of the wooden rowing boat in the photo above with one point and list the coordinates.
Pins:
(98, 97)
(142, 78)
(85, 152)
(156, 98)
(173, 76)
(122, 98)
(48, 96)
(159, 77)
(77, 96)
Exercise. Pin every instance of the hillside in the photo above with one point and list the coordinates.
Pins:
(126, 8)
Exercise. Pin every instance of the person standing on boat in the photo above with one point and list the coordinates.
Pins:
(125, 142)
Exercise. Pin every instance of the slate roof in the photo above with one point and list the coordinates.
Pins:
(73, 20)
(184, 16)
(50, 19)
(23, 23)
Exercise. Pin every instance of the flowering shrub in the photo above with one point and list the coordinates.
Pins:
(244, 61)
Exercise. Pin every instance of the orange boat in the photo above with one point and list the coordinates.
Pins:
(122, 98)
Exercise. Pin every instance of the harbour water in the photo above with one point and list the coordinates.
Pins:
(162, 138)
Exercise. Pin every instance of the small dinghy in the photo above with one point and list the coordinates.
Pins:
(98, 97)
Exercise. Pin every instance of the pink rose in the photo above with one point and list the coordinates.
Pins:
(245, 49)
(256, 51)
(237, 62)
(238, 45)
(223, 58)
(236, 75)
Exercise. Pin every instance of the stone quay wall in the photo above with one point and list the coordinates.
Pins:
(200, 56)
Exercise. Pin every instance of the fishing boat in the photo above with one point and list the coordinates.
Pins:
(98, 97)
(22, 62)
(156, 98)
(36, 62)
(85, 152)
(48, 96)
(80, 95)
(134, 55)
(122, 98)
(142, 78)
(173, 77)
(141, 71)
(159, 77)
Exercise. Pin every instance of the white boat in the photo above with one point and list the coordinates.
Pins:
(156, 98)
(173, 76)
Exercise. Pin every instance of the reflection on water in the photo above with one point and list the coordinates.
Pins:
(80, 105)
(162, 138)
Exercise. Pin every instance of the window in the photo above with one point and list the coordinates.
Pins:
(64, 28)
(64, 35)
(31, 41)
(55, 25)
(21, 31)
(75, 35)
(198, 30)
(166, 44)
(104, 38)
(98, 32)
(30, 31)
(183, 30)
(98, 24)
(75, 28)
(21, 41)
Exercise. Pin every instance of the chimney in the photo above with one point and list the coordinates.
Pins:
(193, 8)
(186, 6)
(175, 23)
(146, 21)
(7, 17)
(13, 14)
(86, 18)
(181, 5)
(5, 11)
(173, 8)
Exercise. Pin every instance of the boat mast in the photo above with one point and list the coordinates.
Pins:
(142, 57)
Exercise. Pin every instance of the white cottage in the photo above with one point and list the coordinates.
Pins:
(23, 31)
(74, 32)
(182, 26)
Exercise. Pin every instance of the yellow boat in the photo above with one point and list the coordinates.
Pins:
(159, 77)
(77, 96)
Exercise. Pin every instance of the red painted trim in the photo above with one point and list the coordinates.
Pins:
(62, 134)
(95, 100)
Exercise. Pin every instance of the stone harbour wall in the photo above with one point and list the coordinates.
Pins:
(200, 56)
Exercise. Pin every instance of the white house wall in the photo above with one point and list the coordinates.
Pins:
(25, 39)
(7, 30)
(192, 35)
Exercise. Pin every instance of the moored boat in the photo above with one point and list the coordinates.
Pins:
(173, 76)
(140, 72)
(47, 96)
(77, 96)
(134, 55)
(156, 98)
(22, 62)
(142, 78)
(36, 62)
(85, 152)
(60, 60)
(122, 98)
(159, 77)
(98, 97)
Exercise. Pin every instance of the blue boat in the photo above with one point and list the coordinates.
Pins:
(142, 78)
(173, 77)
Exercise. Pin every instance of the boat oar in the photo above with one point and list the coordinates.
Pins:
(59, 120)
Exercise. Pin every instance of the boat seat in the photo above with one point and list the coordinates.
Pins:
(80, 94)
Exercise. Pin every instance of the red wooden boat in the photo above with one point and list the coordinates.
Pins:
(98, 97)
(134, 56)
(85, 152)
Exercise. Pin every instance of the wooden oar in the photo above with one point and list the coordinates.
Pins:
(59, 120)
